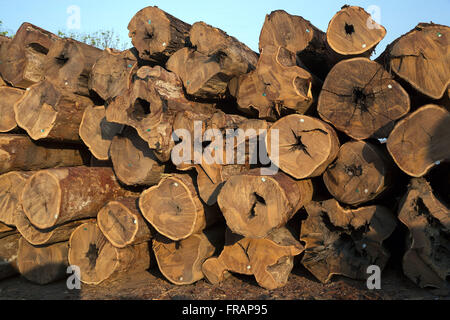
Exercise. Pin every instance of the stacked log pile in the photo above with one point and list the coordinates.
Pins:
(90, 143)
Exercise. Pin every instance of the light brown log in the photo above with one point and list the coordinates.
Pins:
(306, 145)
(110, 74)
(68, 65)
(54, 196)
(174, 208)
(181, 261)
(96, 132)
(420, 140)
(23, 57)
(214, 270)
(361, 173)
(43, 265)
(352, 31)
(134, 163)
(421, 58)
(2, 83)
(361, 99)
(157, 34)
(427, 258)
(9, 97)
(18, 152)
(45, 111)
(343, 241)
(6, 230)
(9, 247)
(254, 204)
(122, 223)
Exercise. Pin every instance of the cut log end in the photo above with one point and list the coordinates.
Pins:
(11, 186)
(9, 97)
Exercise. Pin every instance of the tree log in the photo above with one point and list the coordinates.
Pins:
(122, 223)
(361, 99)
(23, 58)
(420, 140)
(360, 173)
(421, 58)
(156, 34)
(306, 145)
(174, 209)
(254, 205)
(9, 247)
(134, 163)
(43, 265)
(68, 65)
(96, 132)
(47, 112)
(6, 230)
(214, 270)
(343, 241)
(352, 31)
(99, 260)
(427, 259)
(52, 197)
(9, 97)
(18, 152)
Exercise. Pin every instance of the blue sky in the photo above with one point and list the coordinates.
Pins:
(240, 18)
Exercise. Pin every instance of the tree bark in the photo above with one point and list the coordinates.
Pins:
(122, 223)
(9, 247)
(361, 99)
(47, 112)
(8, 118)
(52, 197)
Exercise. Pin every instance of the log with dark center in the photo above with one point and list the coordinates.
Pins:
(365, 103)
(8, 117)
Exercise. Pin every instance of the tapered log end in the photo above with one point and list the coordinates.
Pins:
(11, 185)
(8, 118)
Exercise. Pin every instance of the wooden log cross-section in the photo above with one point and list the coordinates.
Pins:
(8, 117)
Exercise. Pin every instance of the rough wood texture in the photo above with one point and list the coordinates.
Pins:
(54, 196)
(361, 99)
(96, 132)
(181, 261)
(156, 34)
(47, 112)
(6, 230)
(9, 97)
(254, 205)
(68, 65)
(421, 58)
(22, 59)
(214, 270)
(19, 152)
(99, 260)
(174, 209)
(306, 145)
(343, 241)
(427, 259)
(360, 173)
(110, 73)
(353, 32)
(420, 141)
(43, 265)
(122, 223)
(134, 163)
(9, 247)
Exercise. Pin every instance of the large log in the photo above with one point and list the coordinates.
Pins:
(9, 247)
(46, 111)
(421, 58)
(22, 59)
(341, 241)
(361, 99)
(54, 196)
(122, 223)
(134, 163)
(352, 31)
(420, 140)
(68, 65)
(97, 133)
(43, 265)
(254, 205)
(174, 208)
(8, 118)
(361, 172)
(19, 152)
(305, 147)
(99, 260)
(427, 258)
(157, 34)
